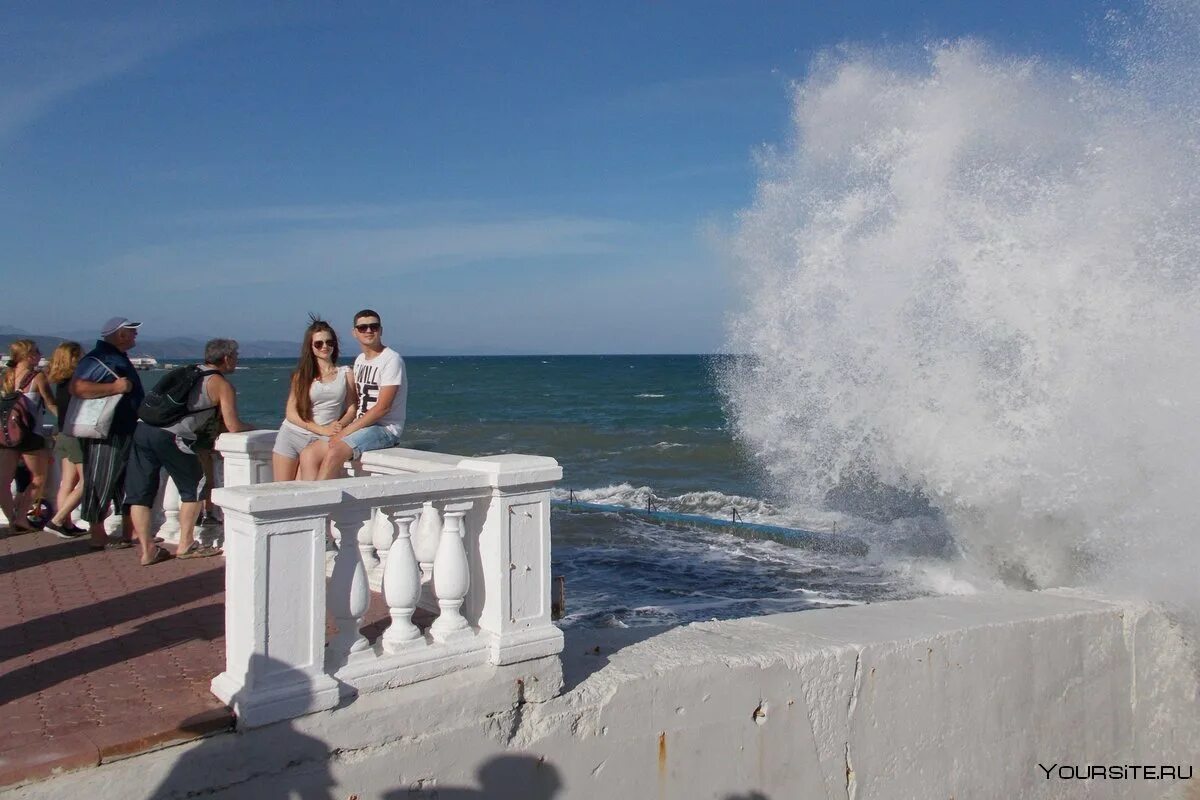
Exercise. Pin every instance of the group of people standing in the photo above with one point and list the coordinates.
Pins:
(333, 414)
(42, 391)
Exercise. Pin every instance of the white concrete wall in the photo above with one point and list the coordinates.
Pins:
(944, 697)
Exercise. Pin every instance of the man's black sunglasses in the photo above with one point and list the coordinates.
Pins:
(368, 327)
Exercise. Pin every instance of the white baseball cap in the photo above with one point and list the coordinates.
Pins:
(115, 324)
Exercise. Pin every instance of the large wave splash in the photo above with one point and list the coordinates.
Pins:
(977, 278)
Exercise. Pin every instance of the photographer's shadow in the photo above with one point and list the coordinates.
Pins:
(505, 777)
(284, 764)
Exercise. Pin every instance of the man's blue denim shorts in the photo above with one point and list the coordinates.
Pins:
(373, 437)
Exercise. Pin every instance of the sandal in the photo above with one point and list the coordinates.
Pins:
(118, 545)
(160, 555)
(198, 550)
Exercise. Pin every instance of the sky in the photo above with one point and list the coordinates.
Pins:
(499, 177)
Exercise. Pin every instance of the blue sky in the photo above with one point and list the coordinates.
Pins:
(492, 177)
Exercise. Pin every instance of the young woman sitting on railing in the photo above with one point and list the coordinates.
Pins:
(322, 399)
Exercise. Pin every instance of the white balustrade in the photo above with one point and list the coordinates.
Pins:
(383, 531)
(451, 579)
(246, 457)
(402, 588)
(349, 592)
(167, 509)
(425, 540)
(465, 539)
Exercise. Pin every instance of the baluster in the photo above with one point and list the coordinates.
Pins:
(402, 587)
(426, 536)
(349, 592)
(169, 529)
(382, 532)
(451, 580)
(366, 544)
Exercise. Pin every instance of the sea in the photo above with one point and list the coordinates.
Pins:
(630, 431)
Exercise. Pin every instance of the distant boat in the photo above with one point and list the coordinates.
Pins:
(144, 362)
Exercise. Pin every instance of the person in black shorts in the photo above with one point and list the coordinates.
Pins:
(173, 448)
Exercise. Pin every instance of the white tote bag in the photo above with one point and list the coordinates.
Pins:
(91, 419)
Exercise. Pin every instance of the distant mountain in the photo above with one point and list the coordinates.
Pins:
(179, 348)
(185, 348)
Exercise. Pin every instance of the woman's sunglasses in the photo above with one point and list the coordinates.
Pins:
(322, 344)
(367, 327)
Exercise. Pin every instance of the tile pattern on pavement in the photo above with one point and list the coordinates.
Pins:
(101, 657)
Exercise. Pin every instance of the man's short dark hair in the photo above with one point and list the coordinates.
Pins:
(217, 350)
(366, 312)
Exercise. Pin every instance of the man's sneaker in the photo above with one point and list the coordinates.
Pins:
(62, 531)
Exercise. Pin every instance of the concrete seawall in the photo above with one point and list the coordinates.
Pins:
(957, 697)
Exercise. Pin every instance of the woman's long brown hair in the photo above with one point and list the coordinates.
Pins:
(63, 362)
(18, 351)
(306, 370)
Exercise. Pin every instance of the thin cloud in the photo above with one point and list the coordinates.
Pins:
(303, 214)
(359, 253)
(43, 64)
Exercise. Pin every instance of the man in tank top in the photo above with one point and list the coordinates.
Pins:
(171, 448)
(382, 398)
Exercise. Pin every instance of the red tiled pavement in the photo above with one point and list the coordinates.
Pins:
(101, 657)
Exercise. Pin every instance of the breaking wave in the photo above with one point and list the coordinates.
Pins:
(971, 287)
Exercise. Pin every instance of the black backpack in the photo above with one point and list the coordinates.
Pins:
(167, 402)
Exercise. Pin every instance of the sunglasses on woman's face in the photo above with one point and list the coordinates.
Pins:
(322, 344)
(367, 327)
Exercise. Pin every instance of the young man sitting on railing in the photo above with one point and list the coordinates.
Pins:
(382, 401)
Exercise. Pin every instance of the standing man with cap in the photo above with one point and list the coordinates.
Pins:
(106, 371)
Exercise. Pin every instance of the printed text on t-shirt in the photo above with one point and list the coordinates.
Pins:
(367, 378)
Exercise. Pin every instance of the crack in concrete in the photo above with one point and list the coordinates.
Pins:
(518, 715)
(851, 779)
(857, 684)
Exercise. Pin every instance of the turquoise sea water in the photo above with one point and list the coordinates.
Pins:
(624, 429)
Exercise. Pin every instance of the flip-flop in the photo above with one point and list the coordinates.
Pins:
(111, 544)
(199, 552)
(160, 555)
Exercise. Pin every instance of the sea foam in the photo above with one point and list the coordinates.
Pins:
(976, 279)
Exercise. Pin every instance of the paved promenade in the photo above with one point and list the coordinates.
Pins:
(101, 657)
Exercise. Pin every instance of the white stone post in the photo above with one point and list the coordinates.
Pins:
(275, 603)
(247, 457)
(349, 592)
(402, 588)
(513, 605)
(169, 528)
(366, 544)
(451, 578)
(425, 537)
(383, 531)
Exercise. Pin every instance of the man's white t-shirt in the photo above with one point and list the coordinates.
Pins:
(385, 369)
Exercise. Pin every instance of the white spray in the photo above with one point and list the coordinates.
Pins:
(979, 279)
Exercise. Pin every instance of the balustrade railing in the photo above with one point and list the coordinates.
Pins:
(465, 539)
